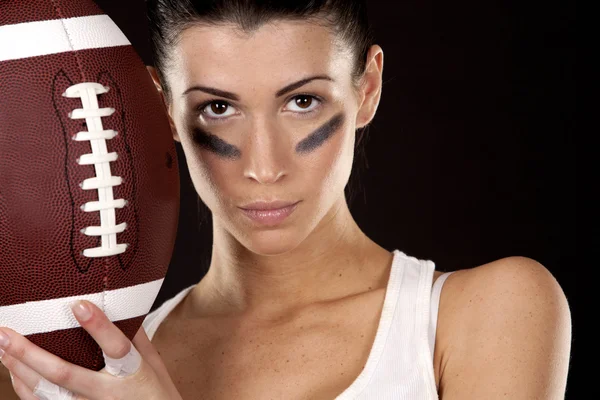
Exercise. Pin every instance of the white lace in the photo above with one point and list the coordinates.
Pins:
(100, 158)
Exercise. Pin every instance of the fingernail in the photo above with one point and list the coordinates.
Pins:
(81, 311)
(4, 342)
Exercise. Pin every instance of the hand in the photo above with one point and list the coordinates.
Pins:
(133, 370)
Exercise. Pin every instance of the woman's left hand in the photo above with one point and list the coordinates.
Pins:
(134, 370)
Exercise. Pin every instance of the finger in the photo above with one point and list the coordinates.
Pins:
(46, 390)
(142, 342)
(110, 338)
(21, 389)
(23, 378)
(125, 366)
(28, 384)
(56, 370)
(153, 359)
(148, 351)
(120, 355)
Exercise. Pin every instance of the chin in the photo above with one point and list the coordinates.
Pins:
(271, 242)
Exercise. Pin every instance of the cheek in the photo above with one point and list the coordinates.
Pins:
(210, 175)
(329, 169)
(208, 172)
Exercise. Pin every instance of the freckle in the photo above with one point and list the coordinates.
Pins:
(223, 353)
(340, 274)
(287, 360)
(362, 335)
(369, 287)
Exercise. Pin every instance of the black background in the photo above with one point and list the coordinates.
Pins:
(471, 156)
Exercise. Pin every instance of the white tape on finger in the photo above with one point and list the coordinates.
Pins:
(125, 366)
(46, 390)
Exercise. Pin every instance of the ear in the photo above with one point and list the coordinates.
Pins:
(370, 87)
(154, 75)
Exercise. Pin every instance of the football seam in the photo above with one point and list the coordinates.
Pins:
(80, 66)
(133, 202)
(83, 268)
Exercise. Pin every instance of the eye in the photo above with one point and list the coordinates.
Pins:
(303, 103)
(218, 109)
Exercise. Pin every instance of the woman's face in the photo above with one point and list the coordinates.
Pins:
(265, 116)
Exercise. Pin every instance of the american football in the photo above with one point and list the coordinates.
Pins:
(89, 180)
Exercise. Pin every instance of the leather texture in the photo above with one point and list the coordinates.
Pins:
(41, 220)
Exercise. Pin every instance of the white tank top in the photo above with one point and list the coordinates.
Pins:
(400, 364)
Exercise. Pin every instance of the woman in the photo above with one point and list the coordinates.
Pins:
(298, 302)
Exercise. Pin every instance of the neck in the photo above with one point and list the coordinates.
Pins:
(335, 261)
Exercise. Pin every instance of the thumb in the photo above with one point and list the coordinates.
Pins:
(149, 353)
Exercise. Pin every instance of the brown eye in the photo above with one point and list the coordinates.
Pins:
(303, 104)
(304, 101)
(218, 108)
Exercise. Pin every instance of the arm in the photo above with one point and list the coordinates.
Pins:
(507, 333)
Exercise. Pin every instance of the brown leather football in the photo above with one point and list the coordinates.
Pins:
(89, 180)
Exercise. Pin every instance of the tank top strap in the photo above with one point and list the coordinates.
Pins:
(153, 320)
(436, 292)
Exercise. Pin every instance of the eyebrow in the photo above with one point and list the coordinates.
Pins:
(213, 91)
(280, 92)
(301, 83)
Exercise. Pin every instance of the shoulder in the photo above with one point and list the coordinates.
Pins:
(510, 281)
(503, 327)
(508, 284)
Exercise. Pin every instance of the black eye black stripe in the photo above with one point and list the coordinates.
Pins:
(311, 142)
(215, 144)
(321, 134)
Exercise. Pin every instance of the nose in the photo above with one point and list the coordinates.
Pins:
(266, 152)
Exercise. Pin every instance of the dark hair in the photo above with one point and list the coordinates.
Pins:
(347, 18)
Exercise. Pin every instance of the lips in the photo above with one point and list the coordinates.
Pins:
(269, 213)
(268, 206)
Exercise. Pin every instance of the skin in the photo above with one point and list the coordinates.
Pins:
(504, 328)
(282, 155)
(223, 149)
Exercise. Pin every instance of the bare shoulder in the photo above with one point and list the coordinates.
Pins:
(504, 331)
(511, 280)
